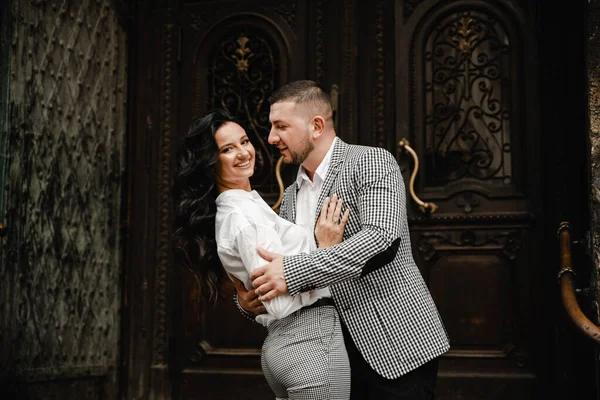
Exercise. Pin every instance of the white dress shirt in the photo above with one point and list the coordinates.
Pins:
(307, 198)
(244, 221)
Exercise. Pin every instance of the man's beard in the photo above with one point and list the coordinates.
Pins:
(298, 157)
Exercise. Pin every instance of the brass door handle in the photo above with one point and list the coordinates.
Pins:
(279, 182)
(566, 278)
(425, 207)
(3, 230)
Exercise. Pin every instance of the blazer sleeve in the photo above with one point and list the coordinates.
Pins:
(381, 209)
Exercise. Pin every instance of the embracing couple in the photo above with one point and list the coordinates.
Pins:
(332, 277)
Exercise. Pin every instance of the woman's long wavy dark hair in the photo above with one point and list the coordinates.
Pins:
(195, 192)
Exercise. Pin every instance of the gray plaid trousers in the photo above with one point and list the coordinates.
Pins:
(304, 357)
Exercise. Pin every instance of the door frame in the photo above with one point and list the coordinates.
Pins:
(146, 333)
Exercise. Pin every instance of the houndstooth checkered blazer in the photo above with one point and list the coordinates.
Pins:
(388, 309)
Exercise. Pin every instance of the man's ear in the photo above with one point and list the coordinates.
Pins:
(318, 126)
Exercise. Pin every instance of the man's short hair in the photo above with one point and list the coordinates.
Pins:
(306, 93)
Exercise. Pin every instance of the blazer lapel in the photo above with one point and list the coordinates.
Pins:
(292, 209)
(335, 164)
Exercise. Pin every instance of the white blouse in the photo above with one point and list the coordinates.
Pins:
(244, 221)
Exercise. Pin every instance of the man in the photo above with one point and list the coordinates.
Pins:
(392, 329)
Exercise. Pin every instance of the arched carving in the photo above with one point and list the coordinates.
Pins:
(467, 95)
(238, 65)
(410, 5)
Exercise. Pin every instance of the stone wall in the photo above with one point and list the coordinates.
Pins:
(594, 115)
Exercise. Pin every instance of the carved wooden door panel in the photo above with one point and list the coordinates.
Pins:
(234, 55)
(466, 104)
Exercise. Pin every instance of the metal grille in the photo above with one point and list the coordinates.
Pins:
(244, 70)
(61, 294)
(468, 112)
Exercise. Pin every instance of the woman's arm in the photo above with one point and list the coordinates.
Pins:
(247, 241)
(329, 230)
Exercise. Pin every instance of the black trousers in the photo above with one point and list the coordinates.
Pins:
(418, 384)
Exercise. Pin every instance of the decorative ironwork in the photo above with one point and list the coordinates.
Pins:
(465, 38)
(61, 297)
(242, 54)
(467, 104)
(243, 72)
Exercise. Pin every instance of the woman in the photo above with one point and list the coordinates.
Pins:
(218, 214)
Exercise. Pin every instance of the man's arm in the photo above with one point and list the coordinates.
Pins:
(247, 241)
(381, 209)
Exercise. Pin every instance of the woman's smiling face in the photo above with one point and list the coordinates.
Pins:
(236, 155)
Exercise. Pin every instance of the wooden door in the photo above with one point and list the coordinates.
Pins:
(466, 101)
(234, 55)
(457, 80)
